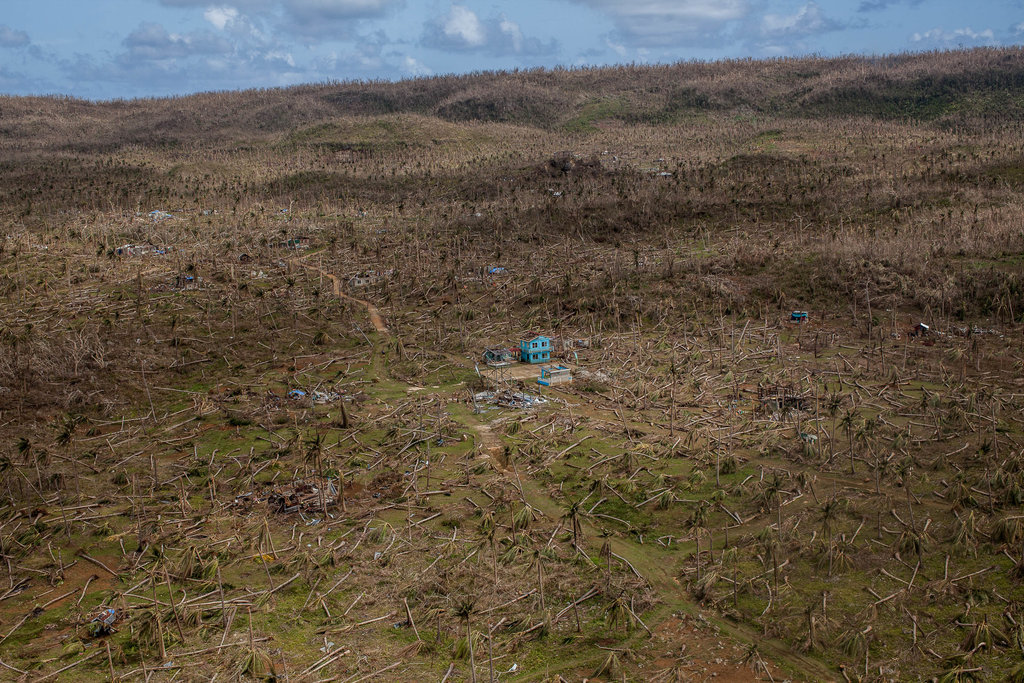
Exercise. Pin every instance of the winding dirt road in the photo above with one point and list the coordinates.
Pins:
(371, 310)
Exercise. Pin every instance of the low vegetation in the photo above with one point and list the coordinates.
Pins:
(242, 433)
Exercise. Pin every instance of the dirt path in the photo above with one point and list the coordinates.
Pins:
(488, 439)
(375, 316)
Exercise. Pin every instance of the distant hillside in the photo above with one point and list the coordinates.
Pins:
(945, 88)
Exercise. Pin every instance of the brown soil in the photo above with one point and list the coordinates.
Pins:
(375, 316)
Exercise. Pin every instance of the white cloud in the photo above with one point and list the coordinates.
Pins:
(338, 10)
(879, 5)
(669, 22)
(309, 18)
(278, 56)
(364, 58)
(152, 41)
(691, 10)
(220, 16)
(413, 67)
(514, 33)
(331, 9)
(617, 48)
(808, 20)
(332, 19)
(462, 25)
(462, 30)
(959, 36)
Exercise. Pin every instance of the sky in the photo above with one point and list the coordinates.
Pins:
(119, 49)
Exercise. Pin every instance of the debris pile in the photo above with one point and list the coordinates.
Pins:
(138, 250)
(315, 396)
(596, 375)
(302, 495)
(972, 331)
(105, 622)
(510, 399)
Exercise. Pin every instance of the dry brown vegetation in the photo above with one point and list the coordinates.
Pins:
(668, 516)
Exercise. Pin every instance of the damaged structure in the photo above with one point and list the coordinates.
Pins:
(780, 399)
(550, 375)
(367, 278)
(499, 357)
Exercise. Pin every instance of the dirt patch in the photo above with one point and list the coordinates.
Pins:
(694, 647)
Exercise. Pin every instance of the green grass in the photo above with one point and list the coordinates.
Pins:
(595, 111)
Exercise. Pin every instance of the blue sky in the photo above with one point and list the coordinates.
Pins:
(104, 49)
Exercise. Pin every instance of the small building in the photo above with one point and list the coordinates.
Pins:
(798, 317)
(187, 282)
(536, 350)
(367, 278)
(920, 330)
(554, 374)
(497, 356)
(295, 243)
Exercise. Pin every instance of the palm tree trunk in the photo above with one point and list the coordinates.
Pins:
(849, 437)
(494, 560)
(472, 661)
(540, 582)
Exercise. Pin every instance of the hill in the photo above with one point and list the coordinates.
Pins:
(246, 418)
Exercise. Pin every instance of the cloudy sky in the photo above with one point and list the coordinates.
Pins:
(103, 49)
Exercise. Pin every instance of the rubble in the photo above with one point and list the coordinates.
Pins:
(596, 375)
(138, 250)
(510, 399)
(301, 495)
(104, 623)
(316, 396)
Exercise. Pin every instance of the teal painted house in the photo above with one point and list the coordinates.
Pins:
(536, 350)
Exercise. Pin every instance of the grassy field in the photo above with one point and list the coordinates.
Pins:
(269, 471)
